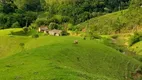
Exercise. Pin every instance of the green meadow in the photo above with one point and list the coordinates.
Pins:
(57, 58)
(70, 40)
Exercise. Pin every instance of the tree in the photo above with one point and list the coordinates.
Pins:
(29, 17)
(28, 5)
(41, 21)
(35, 36)
(7, 6)
(53, 26)
(3, 20)
(71, 11)
(117, 25)
(15, 25)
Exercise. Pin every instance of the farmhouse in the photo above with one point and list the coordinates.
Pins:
(43, 29)
(55, 32)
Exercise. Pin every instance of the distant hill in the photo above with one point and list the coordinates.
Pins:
(128, 20)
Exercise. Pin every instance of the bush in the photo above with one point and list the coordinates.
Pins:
(135, 38)
(25, 29)
(70, 26)
(65, 33)
(94, 36)
(35, 36)
(22, 45)
(114, 36)
(77, 31)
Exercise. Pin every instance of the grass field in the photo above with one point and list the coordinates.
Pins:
(57, 58)
(8, 31)
(9, 44)
(23, 57)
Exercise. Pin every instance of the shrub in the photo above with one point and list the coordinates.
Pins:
(77, 31)
(135, 38)
(25, 29)
(114, 36)
(70, 26)
(22, 45)
(35, 36)
(94, 36)
(65, 33)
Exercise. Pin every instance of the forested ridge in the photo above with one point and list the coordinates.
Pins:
(21, 13)
(123, 21)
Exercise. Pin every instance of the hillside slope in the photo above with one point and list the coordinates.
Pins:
(56, 58)
(124, 21)
(103, 24)
(10, 44)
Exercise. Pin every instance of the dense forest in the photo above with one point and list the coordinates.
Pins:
(34, 13)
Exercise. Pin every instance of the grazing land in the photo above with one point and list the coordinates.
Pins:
(70, 40)
(50, 57)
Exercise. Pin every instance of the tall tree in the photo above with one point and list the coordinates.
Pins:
(28, 5)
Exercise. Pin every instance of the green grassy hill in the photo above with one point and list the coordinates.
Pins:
(9, 44)
(23, 57)
(102, 24)
(57, 58)
(6, 32)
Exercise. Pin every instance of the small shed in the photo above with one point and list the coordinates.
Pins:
(55, 32)
(43, 29)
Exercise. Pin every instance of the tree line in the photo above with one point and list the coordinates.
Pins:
(21, 13)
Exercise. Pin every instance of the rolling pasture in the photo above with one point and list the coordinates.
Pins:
(57, 58)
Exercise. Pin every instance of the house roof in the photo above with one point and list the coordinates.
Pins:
(43, 27)
(56, 31)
